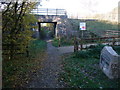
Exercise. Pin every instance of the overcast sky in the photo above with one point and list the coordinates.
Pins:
(82, 7)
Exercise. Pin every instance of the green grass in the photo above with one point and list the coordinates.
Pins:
(17, 72)
(97, 27)
(55, 42)
(36, 46)
(63, 42)
(81, 70)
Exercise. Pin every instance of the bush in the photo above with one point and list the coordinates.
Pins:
(93, 51)
(55, 42)
(64, 41)
(36, 46)
(96, 50)
(16, 72)
(117, 49)
(81, 54)
(43, 34)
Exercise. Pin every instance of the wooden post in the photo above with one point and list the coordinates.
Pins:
(81, 44)
(113, 42)
(99, 41)
(75, 45)
(59, 41)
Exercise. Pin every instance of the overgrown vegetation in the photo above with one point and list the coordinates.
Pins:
(95, 26)
(95, 29)
(55, 42)
(64, 41)
(47, 31)
(43, 33)
(117, 49)
(16, 23)
(22, 54)
(81, 70)
(18, 71)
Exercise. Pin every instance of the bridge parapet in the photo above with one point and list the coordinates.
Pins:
(48, 11)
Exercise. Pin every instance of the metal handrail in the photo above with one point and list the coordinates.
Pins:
(48, 11)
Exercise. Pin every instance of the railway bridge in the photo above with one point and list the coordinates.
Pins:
(56, 16)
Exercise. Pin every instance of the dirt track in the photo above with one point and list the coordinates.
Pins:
(48, 76)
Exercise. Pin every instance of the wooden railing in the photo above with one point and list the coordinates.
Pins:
(110, 33)
(80, 42)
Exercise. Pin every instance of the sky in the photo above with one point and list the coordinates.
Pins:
(81, 7)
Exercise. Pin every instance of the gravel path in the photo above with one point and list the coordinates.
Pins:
(47, 77)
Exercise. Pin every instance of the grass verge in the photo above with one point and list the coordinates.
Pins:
(17, 72)
(81, 70)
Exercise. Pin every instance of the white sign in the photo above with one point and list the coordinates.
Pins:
(82, 26)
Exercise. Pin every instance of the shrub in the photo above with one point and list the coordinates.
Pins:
(93, 51)
(43, 34)
(117, 49)
(81, 54)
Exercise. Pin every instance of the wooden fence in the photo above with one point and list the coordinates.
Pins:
(112, 33)
(80, 42)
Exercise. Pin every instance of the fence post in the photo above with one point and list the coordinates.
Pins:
(81, 44)
(113, 42)
(59, 41)
(75, 45)
(99, 40)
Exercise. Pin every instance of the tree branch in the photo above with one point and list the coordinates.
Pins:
(8, 7)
